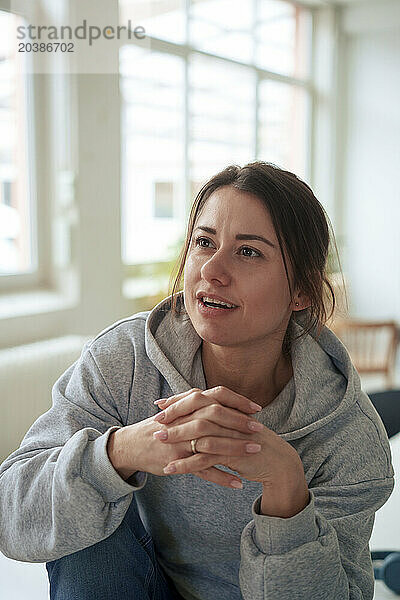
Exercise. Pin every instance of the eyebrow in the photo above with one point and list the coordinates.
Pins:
(240, 236)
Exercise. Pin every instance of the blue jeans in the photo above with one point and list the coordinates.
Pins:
(120, 567)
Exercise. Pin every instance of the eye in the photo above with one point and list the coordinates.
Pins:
(199, 240)
(204, 242)
(247, 249)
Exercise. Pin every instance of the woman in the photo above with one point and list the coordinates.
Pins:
(126, 486)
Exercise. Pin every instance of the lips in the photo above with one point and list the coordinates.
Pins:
(201, 295)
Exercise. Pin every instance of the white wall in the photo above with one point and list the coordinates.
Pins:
(371, 158)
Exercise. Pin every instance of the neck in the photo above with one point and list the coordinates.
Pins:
(260, 378)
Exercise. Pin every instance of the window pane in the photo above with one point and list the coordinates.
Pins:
(164, 19)
(221, 113)
(283, 34)
(223, 27)
(283, 127)
(15, 209)
(163, 199)
(153, 210)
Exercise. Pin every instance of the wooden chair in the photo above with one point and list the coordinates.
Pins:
(372, 345)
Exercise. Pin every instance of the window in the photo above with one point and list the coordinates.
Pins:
(16, 255)
(166, 18)
(221, 115)
(223, 27)
(283, 125)
(153, 151)
(283, 35)
(222, 81)
(163, 200)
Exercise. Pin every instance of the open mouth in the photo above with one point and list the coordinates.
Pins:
(215, 304)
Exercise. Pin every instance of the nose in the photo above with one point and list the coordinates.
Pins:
(215, 270)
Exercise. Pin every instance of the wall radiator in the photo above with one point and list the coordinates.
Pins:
(27, 375)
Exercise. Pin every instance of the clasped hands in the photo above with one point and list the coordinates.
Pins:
(219, 419)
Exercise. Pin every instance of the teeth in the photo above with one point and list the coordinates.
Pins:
(206, 299)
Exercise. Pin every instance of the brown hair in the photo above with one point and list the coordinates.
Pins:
(301, 226)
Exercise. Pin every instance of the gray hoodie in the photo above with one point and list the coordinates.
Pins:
(59, 492)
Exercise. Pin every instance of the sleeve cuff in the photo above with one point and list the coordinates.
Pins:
(98, 470)
(137, 479)
(275, 535)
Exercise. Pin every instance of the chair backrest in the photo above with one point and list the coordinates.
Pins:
(372, 345)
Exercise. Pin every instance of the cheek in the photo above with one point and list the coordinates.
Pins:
(269, 291)
(190, 275)
(187, 271)
(192, 267)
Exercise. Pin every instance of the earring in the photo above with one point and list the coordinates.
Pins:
(296, 304)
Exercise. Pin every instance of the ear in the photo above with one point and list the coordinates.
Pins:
(300, 301)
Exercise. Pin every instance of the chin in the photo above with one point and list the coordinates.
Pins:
(218, 338)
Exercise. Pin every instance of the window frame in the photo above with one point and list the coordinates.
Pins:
(42, 188)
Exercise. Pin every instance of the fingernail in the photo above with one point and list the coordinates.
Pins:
(160, 417)
(170, 469)
(255, 406)
(160, 401)
(255, 425)
(160, 435)
(236, 484)
(253, 447)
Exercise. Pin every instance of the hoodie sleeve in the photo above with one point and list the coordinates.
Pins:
(320, 553)
(59, 492)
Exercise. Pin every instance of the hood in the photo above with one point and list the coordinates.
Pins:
(324, 383)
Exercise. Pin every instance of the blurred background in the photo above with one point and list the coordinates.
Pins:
(99, 166)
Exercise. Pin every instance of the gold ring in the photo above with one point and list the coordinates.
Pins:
(193, 445)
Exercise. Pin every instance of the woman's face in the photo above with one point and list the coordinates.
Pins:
(248, 273)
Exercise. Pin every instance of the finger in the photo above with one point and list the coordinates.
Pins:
(171, 399)
(196, 462)
(197, 428)
(215, 413)
(196, 399)
(220, 393)
(219, 477)
(226, 446)
(232, 399)
(199, 415)
(219, 445)
(171, 410)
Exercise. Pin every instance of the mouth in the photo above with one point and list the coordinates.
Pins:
(210, 304)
